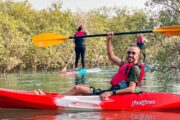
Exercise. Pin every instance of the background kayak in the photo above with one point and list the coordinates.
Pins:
(91, 70)
(81, 71)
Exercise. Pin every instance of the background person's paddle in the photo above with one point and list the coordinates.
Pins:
(65, 68)
(49, 39)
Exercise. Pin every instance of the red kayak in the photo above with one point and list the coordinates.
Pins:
(54, 101)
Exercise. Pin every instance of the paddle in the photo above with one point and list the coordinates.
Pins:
(65, 68)
(48, 39)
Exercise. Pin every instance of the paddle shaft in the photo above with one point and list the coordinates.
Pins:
(118, 33)
(69, 60)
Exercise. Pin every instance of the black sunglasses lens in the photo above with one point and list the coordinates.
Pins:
(130, 52)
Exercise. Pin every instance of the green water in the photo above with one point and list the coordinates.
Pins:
(55, 82)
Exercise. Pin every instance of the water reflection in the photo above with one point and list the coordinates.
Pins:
(80, 79)
(18, 114)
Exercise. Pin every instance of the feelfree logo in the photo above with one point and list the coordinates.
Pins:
(143, 102)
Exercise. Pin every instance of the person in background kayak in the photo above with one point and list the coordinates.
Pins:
(80, 46)
(125, 81)
(140, 43)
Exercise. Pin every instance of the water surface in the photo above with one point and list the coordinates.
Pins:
(55, 82)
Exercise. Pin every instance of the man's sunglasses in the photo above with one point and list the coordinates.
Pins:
(130, 52)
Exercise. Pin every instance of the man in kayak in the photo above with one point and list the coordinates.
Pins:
(124, 81)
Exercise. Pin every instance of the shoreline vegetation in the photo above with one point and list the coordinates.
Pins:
(19, 23)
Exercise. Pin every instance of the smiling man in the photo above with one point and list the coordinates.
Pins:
(129, 75)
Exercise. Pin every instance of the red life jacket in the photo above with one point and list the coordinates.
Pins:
(123, 72)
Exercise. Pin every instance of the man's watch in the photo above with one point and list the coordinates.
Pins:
(114, 92)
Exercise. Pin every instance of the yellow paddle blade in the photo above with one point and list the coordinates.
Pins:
(169, 31)
(48, 39)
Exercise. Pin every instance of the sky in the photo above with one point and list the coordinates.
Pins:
(86, 5)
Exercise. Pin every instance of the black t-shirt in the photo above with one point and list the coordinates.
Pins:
(134, 74)
(79, 41)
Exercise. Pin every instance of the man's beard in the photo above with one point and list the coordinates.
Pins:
(130, 59)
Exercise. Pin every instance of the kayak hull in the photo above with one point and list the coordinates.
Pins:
(26, 100)
(53, 101)
(144, 101)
